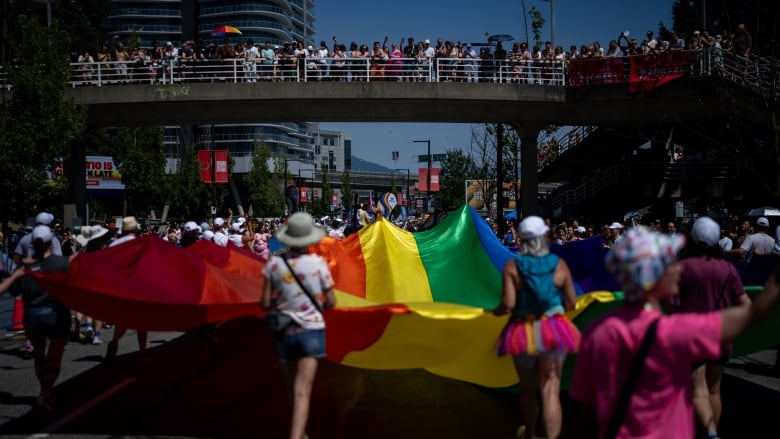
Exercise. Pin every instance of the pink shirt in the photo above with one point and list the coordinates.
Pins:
(661, 405)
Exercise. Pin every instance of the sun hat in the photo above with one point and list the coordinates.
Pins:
(705, 232)
(83, 237)
(763, 222)
(42, 232)
(130, 224)
(189, 226)
(532, 227)
(300, 231)
(44, 218)
(639, 258)
(96, 232)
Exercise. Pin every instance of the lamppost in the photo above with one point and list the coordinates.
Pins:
(408, 181)
(552, 22)
(428, 177)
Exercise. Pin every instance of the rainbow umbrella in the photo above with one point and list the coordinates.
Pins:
(225, 31)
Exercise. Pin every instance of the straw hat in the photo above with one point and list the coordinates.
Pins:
(300, 231)
(130, 224)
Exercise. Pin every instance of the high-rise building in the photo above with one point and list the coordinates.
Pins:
(275, 21)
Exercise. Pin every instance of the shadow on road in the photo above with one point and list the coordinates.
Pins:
(235, 389)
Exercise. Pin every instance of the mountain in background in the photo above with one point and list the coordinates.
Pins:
(360, 165)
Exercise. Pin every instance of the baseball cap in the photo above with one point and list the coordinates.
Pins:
(705, 232)
(763, 222)
(44, 218)
(616, 225)
(219, 222)
(189, 226)
(43, 233)
(532, 227)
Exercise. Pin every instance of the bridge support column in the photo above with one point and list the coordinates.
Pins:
(529, 169)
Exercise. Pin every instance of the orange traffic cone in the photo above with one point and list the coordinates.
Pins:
(16, 322)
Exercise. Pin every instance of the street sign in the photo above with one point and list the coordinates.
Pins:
(434, 158)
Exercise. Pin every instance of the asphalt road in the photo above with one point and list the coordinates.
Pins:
(234, 389)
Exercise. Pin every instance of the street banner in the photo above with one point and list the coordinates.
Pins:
(422, 179)
(652, 71)
(303, 194)
(334, 199)
(221, 166)
(204, 158)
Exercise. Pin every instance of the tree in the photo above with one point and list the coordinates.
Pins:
(39, 122)
(456, 168)
(139, 157)
(537, 24)
(323, 205)
(346, 192)
(265, 196)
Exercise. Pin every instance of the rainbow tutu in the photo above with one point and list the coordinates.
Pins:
(534, 335)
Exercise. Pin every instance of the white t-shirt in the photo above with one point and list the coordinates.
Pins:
(314, 274)
(759, 243)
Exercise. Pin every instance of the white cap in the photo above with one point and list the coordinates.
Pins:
(44, 218)
(580, 229)
(763, 222)
(208, 235)
(705, 232)
(189, 226)
(42, 232)
(532, 227)
(219, 222)
(616, 225)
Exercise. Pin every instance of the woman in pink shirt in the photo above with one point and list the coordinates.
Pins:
(660, 405)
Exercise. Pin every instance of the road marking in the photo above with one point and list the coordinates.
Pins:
(61, 422)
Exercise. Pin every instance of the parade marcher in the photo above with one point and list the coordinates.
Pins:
(632, 377)
(24, 247)
(92, 238)
(220, 237)
(296, 284)
(130, 231)
(46, 320)
(708, 282)
(537, 288)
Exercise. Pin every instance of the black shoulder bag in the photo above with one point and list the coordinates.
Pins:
(633, 379)
(277, 320)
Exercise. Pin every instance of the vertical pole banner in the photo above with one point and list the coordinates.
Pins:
(434, 179)
(221, 166)
(204, 159)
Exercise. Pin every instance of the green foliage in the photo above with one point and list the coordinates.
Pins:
(264, 186)
(138, 155)
(322, 206)
(537, 24)
(190, 198)
(346, 191)
(39, 122)
(456, 168)
(83, 21)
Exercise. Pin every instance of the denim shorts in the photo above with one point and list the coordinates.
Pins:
(46, 322)
(291, 345)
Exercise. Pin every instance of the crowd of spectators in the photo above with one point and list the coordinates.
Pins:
(408, 60)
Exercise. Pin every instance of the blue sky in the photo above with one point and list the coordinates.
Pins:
(577, 22)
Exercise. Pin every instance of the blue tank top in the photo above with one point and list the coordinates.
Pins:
(538, 294)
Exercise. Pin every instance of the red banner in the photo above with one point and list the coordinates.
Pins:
(422, 179)
(302, 194)
(220, 166)
(204, 158)
(651, 71)
(334, 198)
(597, 71)
(220, 171)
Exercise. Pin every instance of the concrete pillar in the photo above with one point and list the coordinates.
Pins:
(529, 169)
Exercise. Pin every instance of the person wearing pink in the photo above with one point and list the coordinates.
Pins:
(657, 403)
(394, 67)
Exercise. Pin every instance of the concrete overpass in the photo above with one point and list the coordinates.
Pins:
(688, 99)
